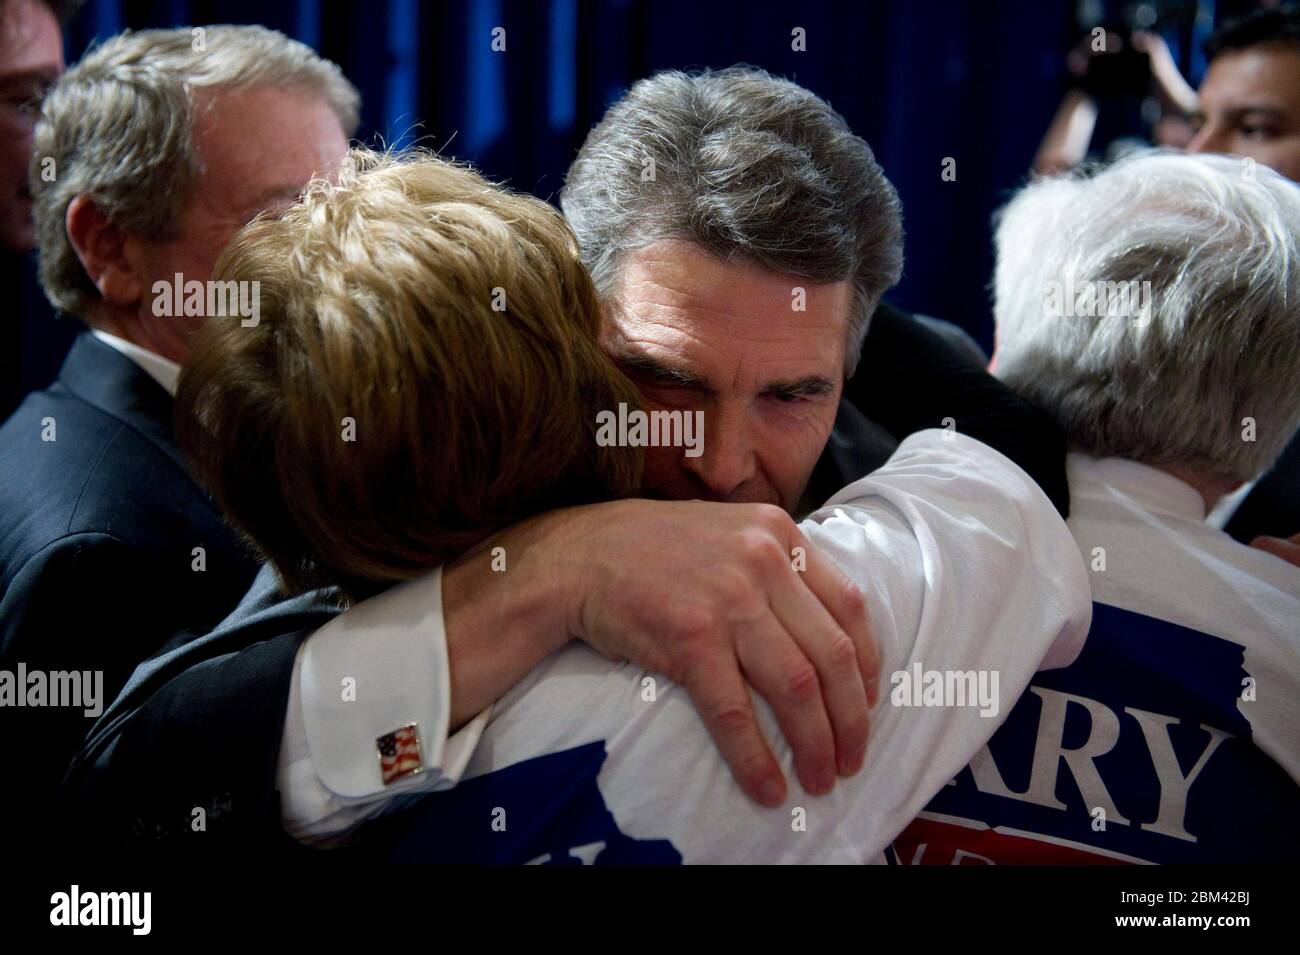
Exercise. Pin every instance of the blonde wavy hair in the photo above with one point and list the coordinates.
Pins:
(379, 297)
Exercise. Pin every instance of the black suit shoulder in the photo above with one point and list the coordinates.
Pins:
(70, 469)
(92, 456)
(108, 547)
(199, 726)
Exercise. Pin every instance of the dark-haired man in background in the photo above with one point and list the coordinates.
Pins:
(1249, 105)
(1249, 101)
(32, 342)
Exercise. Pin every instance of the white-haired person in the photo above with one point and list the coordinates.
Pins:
(1154, 311)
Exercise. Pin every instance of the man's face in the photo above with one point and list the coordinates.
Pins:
(258, 147)
(1250, 106)
(31, 59)
(696, 333)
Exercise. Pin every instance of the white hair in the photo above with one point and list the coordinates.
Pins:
(119, 127)
(1200, 367)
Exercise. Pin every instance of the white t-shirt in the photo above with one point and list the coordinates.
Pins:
(966, 567)
(1175, 737)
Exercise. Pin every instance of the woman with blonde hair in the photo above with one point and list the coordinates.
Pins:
(424, 370)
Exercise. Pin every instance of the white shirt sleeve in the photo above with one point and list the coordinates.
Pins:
(966, 568)
(369, 672)
(980, 576)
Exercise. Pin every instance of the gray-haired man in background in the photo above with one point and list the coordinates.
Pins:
(1183, 710)
(149, 154)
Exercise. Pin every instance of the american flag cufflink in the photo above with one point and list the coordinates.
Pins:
(399, 753)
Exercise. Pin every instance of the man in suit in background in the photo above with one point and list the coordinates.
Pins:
(164, 144)
(1249, 105)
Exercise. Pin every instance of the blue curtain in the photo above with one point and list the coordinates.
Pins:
(976, 82)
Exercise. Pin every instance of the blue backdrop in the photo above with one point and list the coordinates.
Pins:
(921, 81)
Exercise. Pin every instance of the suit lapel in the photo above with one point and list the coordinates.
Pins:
(103, 377)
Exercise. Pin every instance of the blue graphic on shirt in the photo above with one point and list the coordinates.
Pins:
(547, 810)
(1143, 732)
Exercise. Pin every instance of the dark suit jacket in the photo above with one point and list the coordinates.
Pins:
(1273, 505)
(99, 522)
(35, 339)
(200, 725)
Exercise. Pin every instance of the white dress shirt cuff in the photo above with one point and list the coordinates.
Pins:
(367, 673)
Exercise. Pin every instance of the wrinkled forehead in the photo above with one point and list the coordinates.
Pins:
(1267, 75)
(726, 318)
(260, 145)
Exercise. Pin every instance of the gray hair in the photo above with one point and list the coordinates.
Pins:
(119, 127)
(1217, 341)
(747, 167)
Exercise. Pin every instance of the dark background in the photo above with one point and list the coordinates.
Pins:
(920, 81)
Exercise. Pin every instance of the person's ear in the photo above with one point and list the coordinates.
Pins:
(107, 253)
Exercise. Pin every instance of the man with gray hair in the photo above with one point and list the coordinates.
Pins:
(149, 154)
(1175, 737)
(741, 236)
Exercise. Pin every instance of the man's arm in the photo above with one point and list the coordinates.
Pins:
(1065, 144)
(81, 614)
(721, 596)
(197, 727)
(1287, 548)
(707, 592)
(972, 583)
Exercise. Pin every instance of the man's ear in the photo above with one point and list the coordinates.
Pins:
(107, 253)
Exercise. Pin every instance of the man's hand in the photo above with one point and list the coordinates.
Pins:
(1286, 548)
(709, 595)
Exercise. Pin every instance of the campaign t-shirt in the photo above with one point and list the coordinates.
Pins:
(1175, 736)
(969, 575)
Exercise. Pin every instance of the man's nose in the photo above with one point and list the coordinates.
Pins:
(1210, 138)
(727, 460)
